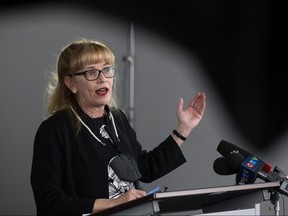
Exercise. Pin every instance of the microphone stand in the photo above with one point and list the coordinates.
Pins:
(274, 198)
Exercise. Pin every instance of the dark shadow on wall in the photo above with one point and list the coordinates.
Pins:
(242, 44)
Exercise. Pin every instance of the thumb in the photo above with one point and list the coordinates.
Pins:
(180, 105)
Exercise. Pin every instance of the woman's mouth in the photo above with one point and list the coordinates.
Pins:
(102, 91)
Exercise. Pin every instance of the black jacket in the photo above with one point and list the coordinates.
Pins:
(69, 169)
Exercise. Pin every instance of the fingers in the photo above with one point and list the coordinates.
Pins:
(180, 105)
(195, 100)
(198, 102)
(134, 194)
(139, 193)
(128, 196)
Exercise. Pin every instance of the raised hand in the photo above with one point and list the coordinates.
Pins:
(189, 117)
(193, 113)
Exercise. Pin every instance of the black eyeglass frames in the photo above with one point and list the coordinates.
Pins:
(93, 74)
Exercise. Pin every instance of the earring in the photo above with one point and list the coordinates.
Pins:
(74, 91)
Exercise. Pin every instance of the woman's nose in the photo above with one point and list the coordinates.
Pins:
(101, 77)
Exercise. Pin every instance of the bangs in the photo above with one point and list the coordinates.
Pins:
(91, 53)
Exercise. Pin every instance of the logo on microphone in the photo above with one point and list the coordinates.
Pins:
(252, 162)
(250, 165)
(248, 170)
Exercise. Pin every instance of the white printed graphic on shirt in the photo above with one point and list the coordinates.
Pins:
(116, 186)
(103, 132)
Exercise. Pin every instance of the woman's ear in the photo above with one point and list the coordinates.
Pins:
(69, 83)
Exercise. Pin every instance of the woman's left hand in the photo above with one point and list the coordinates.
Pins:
(189, 117)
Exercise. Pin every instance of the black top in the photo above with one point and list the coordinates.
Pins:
(69, 169)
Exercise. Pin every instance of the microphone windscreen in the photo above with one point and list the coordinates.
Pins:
(234, 161)
(225, 148)
(221, 167)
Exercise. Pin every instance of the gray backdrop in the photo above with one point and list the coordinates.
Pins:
(30, 41)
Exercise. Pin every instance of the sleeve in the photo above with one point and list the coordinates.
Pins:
(163, 159)
(158, 162)
(47, 175)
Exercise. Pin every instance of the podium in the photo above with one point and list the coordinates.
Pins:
(211, 201)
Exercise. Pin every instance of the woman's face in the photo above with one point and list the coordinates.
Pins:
(91, 94)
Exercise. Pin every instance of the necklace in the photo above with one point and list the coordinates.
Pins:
(90, 131)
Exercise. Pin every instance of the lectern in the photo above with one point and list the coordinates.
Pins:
(211, 201)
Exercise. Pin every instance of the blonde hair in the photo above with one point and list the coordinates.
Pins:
(74, 57)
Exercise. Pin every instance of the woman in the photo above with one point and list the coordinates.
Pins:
(86, 155)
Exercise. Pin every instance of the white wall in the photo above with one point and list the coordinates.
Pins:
(31, 38)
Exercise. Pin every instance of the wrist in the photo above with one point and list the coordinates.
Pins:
(184, 130)
(179, 135)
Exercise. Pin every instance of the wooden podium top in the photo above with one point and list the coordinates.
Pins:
(186, 200)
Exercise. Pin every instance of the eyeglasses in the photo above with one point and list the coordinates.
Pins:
(93, 74)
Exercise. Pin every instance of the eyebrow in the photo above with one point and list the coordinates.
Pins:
(89, 68)
(92, 67)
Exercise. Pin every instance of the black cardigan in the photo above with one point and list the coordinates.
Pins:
(69, 169)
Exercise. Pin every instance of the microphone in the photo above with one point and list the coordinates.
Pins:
(228, 165)
(249, 170)
(221, 167)
(225, 148)
(236, 155)
(247, 167)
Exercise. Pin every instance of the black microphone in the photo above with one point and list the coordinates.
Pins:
(248, 169)
(221, 167)
(225, 148)
(238, 154)
(252, 168)
(234, 160)
(228, 165)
